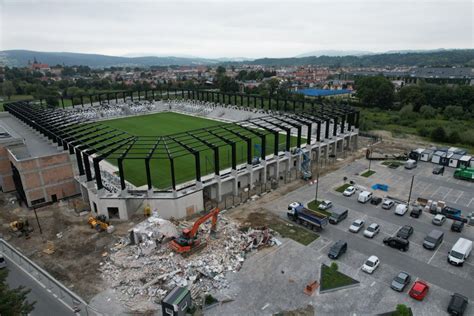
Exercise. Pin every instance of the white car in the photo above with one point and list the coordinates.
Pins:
(349, 191)
(371, 264)
(356, 226)
(401, 209)
(3, 263)
(387, 204)
(325, 205)
(372, 230)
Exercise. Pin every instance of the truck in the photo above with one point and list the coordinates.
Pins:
(303, 216)
(464, 174)
(460, 252)
(450, 212)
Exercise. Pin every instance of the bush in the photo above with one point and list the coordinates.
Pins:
(454, 137)
(423, 132)
(438, 134)
(209, 299)
(453, 112)
(334, 267)
(467, 137)
(427, 112)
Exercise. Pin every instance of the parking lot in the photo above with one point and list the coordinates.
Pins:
(431, 266)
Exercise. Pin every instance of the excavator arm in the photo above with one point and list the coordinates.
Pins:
(192, 232)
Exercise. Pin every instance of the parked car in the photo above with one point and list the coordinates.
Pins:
(356, 225)
(338, 215)
(337, 249)
(400, 281)
(371, 264)
(364, 196)
(387, 204)
(325, 205)
(433, 239)
(401, 209)
(460, 252)
(372, 230)
(376, 200)
(405, 231)
(457, 226)
(416, 211)
(349, 191)
(439, 220)
(438, 170)
(419, 290)
(3, 263)
(457, 304)
(397, 243)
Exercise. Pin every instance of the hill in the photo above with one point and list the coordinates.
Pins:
(459, 57)
(20, 58)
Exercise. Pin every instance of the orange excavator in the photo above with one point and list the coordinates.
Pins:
(188, 242)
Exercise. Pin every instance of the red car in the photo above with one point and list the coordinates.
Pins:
(419, 290)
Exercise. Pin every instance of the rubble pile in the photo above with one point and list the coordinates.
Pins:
(149, 269)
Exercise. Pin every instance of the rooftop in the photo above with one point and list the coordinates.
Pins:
(36, 145)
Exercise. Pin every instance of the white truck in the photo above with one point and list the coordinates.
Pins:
(460, 251)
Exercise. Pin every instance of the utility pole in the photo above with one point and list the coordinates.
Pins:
(37, 220)
(411, 187)
(317, 186)
(370, 156)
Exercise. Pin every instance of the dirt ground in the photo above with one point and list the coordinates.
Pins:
(78, 249)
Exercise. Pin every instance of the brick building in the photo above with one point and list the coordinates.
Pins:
(32, 166)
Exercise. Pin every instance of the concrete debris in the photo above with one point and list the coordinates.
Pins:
(143, 267)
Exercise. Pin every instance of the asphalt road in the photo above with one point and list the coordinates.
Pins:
(46, 303)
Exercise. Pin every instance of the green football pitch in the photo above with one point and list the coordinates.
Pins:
(168, 123)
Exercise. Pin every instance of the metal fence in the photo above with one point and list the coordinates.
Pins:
(56, 288)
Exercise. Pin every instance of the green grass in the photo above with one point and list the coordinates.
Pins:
(331, 278)
(171, 123)
(343, 187)
(299, 234)
(368, 173)
(313, 205)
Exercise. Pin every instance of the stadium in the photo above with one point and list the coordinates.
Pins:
(179, 151)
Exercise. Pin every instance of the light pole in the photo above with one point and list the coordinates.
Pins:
(411, 187)
(317, 186)
(369, 157)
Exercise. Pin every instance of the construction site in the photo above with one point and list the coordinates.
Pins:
(196, 222)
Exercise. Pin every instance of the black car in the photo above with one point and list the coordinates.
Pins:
(457, 226)
(405, 232)
(457, 304)
(438, 170)
(416, 211)
(376, 200)
(337, 249)
(397, 243)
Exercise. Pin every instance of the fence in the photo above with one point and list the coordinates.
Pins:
(62, 293)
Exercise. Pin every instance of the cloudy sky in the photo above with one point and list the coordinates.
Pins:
(245, 28)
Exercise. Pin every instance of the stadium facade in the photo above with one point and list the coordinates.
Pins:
(291, 139)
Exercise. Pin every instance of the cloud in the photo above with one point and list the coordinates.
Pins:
(234, 28)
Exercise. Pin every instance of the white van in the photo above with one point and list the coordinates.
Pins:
(364, 197)
(410, 164)
(460, 251)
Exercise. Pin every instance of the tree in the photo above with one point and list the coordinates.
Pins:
(427, 112)
(453, 112)
(13, 301)
(412, 95)
(438, 134)
(220, 71)
(8, 89)
(402, 310)
(375, 92)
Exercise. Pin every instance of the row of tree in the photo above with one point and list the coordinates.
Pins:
(379, 92)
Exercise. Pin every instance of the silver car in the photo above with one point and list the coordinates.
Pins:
(356, 226)
(400, 281)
